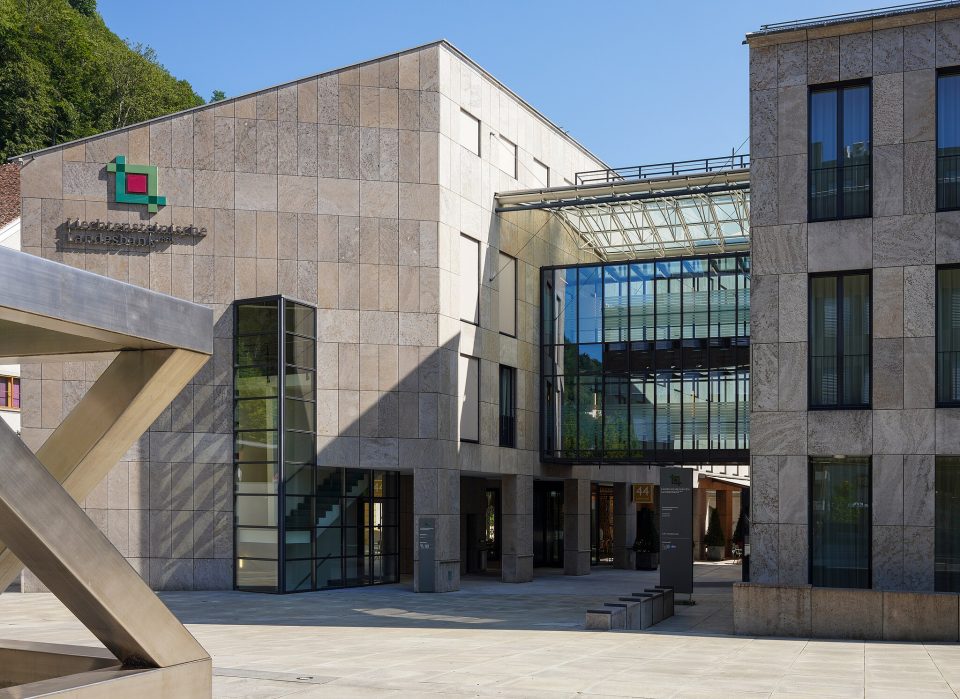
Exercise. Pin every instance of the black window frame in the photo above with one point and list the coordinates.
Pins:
(839, 276)
(936, 338)
(838, 87)
(507, 411)
(953, 71)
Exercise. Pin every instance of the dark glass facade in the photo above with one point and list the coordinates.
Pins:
(840, 503)
(646, 361)
(297, 527)
(948, 141)
(840, 340)
(947, 524)
(948, 336)
(840, 152)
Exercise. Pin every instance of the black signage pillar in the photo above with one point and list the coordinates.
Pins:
(426, 559)
(676, 529)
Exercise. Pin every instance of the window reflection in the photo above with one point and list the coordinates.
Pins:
(644, 359)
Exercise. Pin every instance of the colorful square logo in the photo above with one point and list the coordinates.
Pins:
(136, 184)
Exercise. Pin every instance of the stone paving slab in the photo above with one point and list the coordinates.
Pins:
(499, 640)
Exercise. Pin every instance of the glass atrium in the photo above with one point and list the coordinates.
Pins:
(647, 361)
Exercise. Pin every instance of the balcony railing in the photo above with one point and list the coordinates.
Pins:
(674, 169)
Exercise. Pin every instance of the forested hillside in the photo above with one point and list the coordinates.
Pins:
(65, 75)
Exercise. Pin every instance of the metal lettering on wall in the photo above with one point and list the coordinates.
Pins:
(77, 233)
(676, 529)
(426, 548)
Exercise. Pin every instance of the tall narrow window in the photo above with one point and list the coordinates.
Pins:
(469, 279)
(948, 336)
(946, 576)
(541, 173)
(468, 378)
(507, 290)
(505, 154)
(508, 406)
(948, 141)
(840, 332)
(469, 132)
(840, 493)
(839, 153)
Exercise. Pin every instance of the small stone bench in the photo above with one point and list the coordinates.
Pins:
(606, 619)
(642, 613)
(656, 598)
(667, 599)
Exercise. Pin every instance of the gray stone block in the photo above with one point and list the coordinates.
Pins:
(888, 51)
(919, 106)
(887, 561)
(793, 561)
(888, 109)
(840, 245)
(856, 55)
(848, 432)
(919, 361)
(792, 300)
(918, 301)
(764, 308)
(764, 190)
(778, 433)
(918, 490)
(763, 123)
(888, 373)
(792, 188)
(763, 67)
(912, 616)
(853, 614)
(888, 295)
(903, 432)
(918, 552)
(764, 481)
(792, 63)
(919, 46)
(823, 60)
(948, 42)
(771, 610)
(793, 481)
(903, 240)
(764, 377)
(919, 170)
(764, 553)
(779, 249)
(792, 123)
(887, 477)
(793, 376)
(606, 619)
(887, 181)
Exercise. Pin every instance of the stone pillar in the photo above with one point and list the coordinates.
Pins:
(436, 497)
(576, 526)
(516, 552)
(624, 526)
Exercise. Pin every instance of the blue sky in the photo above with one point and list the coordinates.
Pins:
(635, 82)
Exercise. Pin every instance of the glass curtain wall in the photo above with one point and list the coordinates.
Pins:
(948, 336)
(840, 500)
(947, 525)
(283, 540)
(647, 361)
(839, 152)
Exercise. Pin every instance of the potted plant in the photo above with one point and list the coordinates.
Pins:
(714, 540)
(647, 545)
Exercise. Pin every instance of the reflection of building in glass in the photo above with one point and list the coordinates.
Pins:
(647, 361)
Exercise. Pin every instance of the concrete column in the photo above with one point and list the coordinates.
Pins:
(436, 500)
(576, 526)
(516, 553)
(624, 526)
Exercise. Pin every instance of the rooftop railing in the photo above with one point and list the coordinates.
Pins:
(674, 169)
(854, 16)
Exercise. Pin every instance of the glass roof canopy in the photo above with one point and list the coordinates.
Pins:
(666, 216)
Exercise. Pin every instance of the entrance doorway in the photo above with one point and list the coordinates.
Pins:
(601, 524)
(548, 524)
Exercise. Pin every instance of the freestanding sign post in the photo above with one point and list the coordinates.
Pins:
(676, 529)
(426, 545)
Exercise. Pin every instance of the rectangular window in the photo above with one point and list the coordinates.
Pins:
(840, 492)
(469, 132)
(469, 279)
(840, 334)
(468, 378)
(507, 289)
(505, 155)
(508, 406)
(948, 336)
(948, 141)
(541, 173)
(947, 525)
(839, 152)
(9, 393)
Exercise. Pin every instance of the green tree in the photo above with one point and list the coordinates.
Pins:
(65, 75)
(218, 96)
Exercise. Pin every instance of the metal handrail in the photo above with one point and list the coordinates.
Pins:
(853, 16)
(674, 169)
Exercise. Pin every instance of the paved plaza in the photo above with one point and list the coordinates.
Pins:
(497, 640)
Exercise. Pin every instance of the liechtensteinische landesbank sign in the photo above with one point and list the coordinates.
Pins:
(138, 185)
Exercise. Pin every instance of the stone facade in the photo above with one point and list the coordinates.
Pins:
(901, 244)
(348, 190)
